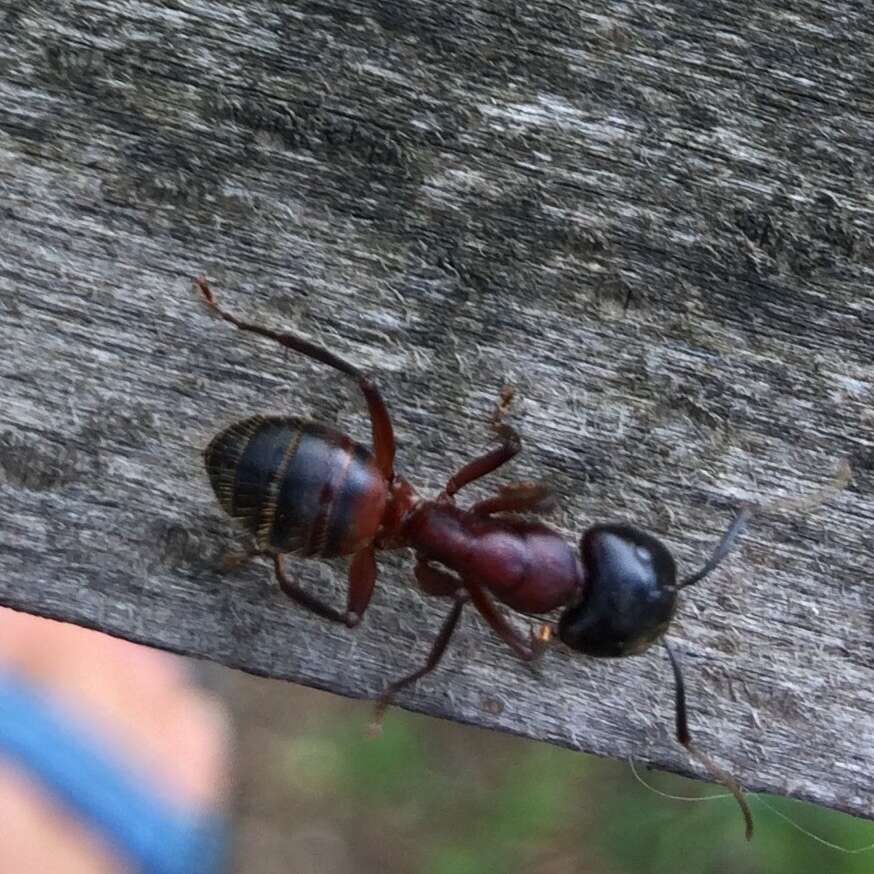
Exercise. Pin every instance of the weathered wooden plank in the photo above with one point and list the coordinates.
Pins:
(458, 196)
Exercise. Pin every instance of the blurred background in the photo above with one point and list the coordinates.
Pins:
(311, 792)
(316, 795)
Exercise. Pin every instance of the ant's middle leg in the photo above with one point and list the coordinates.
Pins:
(437, 652)
(380, 421)
(436, 582)
(492, 460)
(517, 498)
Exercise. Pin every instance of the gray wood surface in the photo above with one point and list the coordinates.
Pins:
(458, 196)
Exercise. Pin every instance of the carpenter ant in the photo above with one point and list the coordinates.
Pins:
(306, 489)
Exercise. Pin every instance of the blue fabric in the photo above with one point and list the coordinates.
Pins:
(146, 831)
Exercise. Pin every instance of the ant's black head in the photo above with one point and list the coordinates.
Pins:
(629, 597)
(630, 590)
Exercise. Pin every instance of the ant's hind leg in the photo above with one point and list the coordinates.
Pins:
(304, 598)
(380, 421)
(237, 558)
(362, 578)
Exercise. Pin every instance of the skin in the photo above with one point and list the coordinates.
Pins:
(139, 702)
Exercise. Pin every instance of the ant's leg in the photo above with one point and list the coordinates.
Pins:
(380, 421)
(435, 582)
(362, 579)
(237, 558)
(305, 599)
(492, 460)
(517, 498)
(437, 651)
(485, 464)
(528, 650)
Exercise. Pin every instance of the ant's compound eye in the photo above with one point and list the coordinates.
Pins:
(629, 593)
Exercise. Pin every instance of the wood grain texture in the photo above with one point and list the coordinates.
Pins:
(458, 196)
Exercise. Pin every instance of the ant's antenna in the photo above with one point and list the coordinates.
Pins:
(723, 548)
(685, 739)
(838, 482)
(804, 502)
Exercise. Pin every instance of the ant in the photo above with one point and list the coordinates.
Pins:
(303, 488)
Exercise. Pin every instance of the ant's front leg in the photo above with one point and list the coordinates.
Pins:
(530, 649)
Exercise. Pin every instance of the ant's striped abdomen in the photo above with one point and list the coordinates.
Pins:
(297, 486)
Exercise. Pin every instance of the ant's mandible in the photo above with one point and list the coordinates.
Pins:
(306, 489)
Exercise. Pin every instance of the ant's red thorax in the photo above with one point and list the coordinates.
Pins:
(527, 566)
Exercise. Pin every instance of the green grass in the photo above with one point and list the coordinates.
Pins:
(463, 801)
